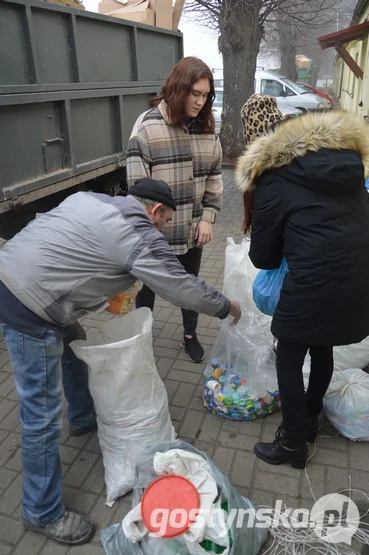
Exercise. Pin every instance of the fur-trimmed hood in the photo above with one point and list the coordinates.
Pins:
(296, 137)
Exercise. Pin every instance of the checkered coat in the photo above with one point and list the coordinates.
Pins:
(188, 160)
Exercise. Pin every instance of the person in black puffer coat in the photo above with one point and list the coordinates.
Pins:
(305, 199)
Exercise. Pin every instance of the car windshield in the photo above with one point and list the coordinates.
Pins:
(218, 102)
(296, 88)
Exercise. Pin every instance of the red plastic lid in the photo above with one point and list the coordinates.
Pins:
(167, 504)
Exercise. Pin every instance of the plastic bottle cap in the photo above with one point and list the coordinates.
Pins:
(173, 498)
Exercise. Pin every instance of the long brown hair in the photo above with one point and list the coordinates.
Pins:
(179, 85)
(248, 207)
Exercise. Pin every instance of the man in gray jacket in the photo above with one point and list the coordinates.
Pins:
(63, 265)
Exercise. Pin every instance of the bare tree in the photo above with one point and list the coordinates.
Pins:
(288, 35)
(241, 25)
(292, 37)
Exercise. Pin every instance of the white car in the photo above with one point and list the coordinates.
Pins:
(218, 109)
(291, 112)
(287, 93)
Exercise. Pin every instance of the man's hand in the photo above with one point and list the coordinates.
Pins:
(204, 233)
(235, 312)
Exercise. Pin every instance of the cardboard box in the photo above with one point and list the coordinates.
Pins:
(151, 12)
(71, 3)
(107, 6)
(142, 14)
(164, 14)
(303, 61)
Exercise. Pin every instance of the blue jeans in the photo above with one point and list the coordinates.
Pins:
(40, 366)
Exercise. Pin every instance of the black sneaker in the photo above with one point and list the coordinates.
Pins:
(194, 349)
(71, 529)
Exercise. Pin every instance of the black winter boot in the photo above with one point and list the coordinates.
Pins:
(283, 450)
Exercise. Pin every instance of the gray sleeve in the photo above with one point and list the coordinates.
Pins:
(158, 268)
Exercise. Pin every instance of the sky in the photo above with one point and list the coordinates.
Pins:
(198, 41)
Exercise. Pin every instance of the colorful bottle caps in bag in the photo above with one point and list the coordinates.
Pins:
(232, 397)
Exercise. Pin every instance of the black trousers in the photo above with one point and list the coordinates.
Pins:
(296, 404)
(191, 261)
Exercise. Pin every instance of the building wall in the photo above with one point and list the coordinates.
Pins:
(351, 91)
(337, 80)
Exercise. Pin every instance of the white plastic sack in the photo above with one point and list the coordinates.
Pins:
(130, 398)
(352, 356)
(346, 403)
(246, 540)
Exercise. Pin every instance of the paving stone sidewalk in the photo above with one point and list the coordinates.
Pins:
(336, 464)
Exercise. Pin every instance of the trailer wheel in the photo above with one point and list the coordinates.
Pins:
(14, 221)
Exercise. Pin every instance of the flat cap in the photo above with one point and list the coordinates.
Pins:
(153, 189)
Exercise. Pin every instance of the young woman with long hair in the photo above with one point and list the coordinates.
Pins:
(175, 142)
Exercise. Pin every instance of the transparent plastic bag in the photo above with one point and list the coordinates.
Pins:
(245, 540)
(346, 403)
(240, 378)
(130, 398)
(267, 288)
(239, 275)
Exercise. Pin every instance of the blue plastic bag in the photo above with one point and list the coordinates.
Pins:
(267, 287)
(367, 183)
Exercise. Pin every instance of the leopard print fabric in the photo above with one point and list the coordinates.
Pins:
(258, 114)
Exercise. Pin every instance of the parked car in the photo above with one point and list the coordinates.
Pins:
(287, 93)
(291, 112)
(218, 109)
(309, 88)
